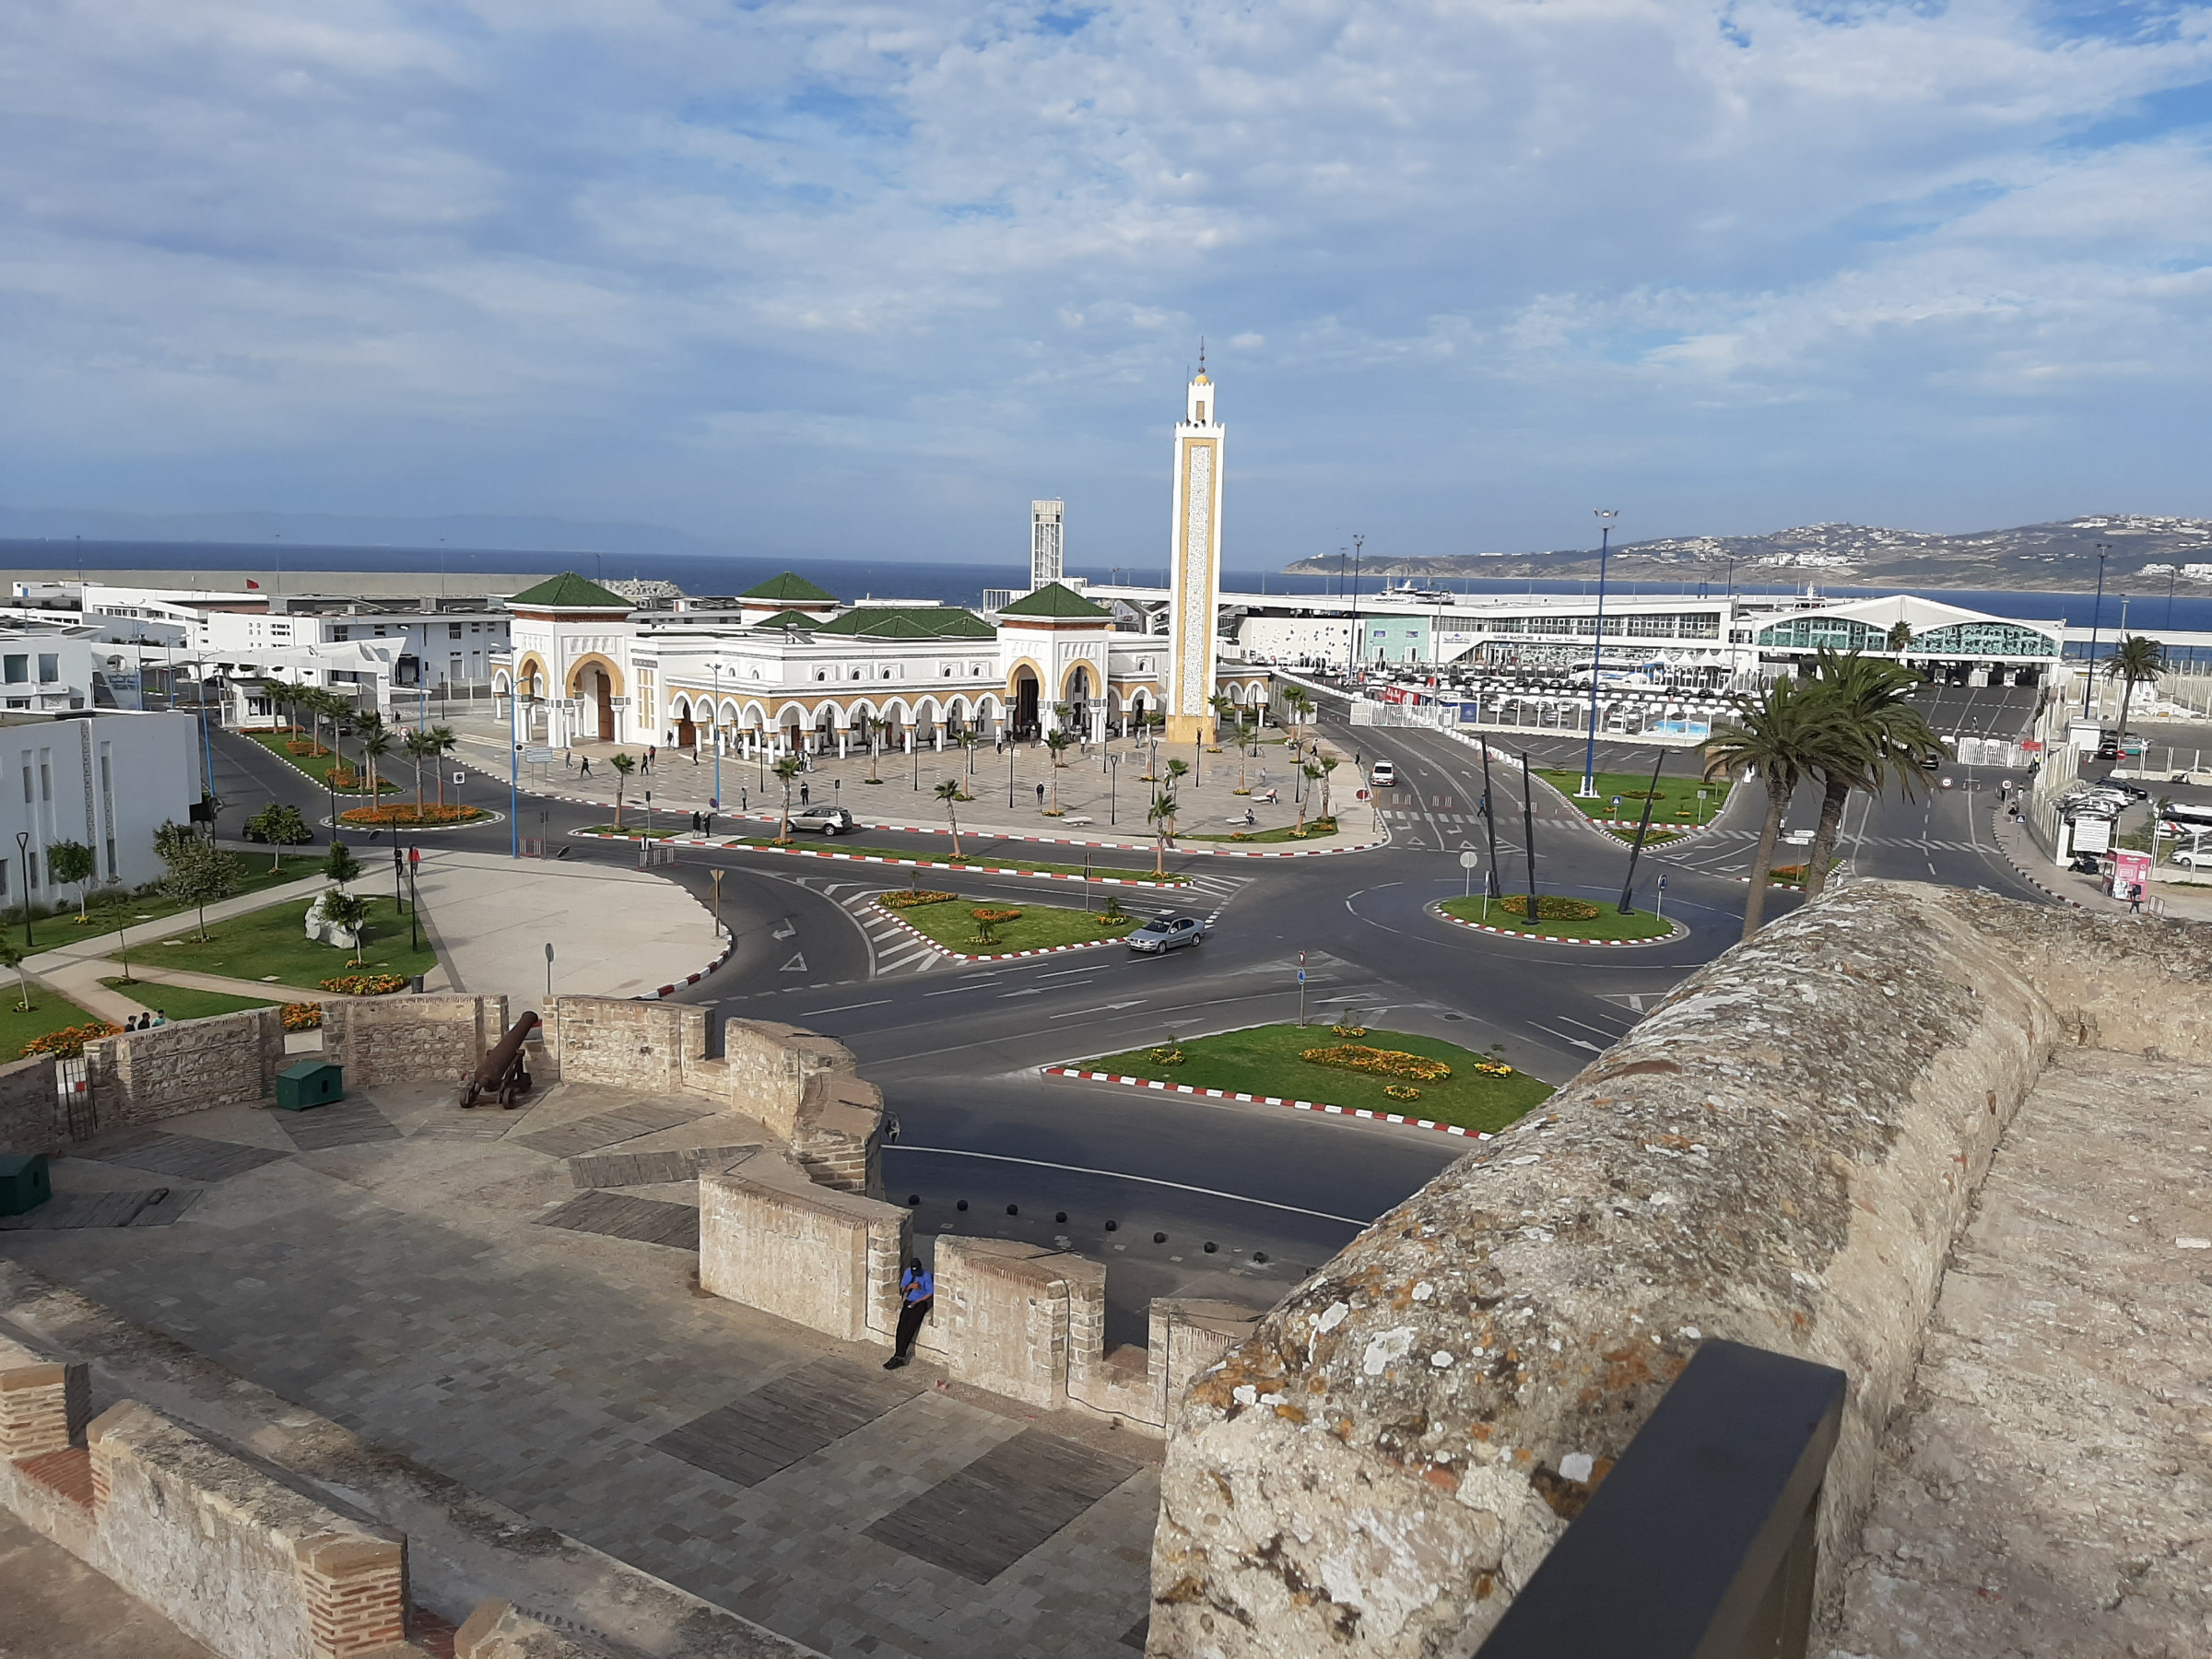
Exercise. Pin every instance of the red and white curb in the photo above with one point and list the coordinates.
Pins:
(910, 864)
(1224, 1094)
(728, 948)
(1004, 956)
(1679, 932)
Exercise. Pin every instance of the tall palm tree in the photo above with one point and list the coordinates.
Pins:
(872, 728)
(624, 765)
(1777, 737)
(787, 772)
(1883, 740)
(948, 792)
(1163, 814)
(2135, 660)
(376, 743)
(1899, 638)
(418, 748)
(1313, 774)
(1225, 709)
(442, 743)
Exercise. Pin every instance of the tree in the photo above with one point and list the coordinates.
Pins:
(947, 792)
(968, 739)
(1777, 737)
(1329, 763)
(340, 867)
(1162, 817)
(2135, 660)
(376, 743)
(1299, 703)
(625, 764)
(1225, 709)
(281, 827)
(170, 837)
(11, 955)
(199, 873)
(442, 743)
(348, 910)
(1882, 740)
(1057, 742)
(68, 861)
(419, 747)
(1899, 637)
(1313, 775)
(787, 772)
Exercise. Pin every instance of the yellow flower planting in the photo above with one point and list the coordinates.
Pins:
(1387, 1063)
(303, 1016)
(913, 897)
(68, 1043)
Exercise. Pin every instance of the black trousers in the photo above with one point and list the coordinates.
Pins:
(910, 1324)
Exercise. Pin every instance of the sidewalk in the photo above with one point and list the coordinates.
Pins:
(1099, 808)
(2183, 902)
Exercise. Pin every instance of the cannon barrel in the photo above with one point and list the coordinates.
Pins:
(503, 1059)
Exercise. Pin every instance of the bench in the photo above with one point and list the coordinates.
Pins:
(1076, 820)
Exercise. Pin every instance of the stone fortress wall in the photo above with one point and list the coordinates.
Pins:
(1783, 1154)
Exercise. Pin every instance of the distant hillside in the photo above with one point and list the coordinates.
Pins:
(2060, 557)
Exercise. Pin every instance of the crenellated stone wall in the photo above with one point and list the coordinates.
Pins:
(1782, 1154)
(31, 1119)
(140, 1076)
(442, 1037)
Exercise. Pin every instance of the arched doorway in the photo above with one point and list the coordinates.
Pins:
(1025, 700)
(687, 733)
(600, 692)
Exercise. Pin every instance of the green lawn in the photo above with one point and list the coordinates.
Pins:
(274, 941)
(1264, 1060)
(1315, 829)
(1039, 927)
(182, 1001)
(318, 766)
(1010, 861)
(1608, 923)
(1676, 801)
(48, 1013)
(121, 910)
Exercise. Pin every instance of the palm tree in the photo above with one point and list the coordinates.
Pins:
(442, 743)
(1329, 763)
(872, 728)
(1059, 743)
(787, 770)
(969, 737)
(11, 955)
(2135, 660)
(1162, 817)
(948, 792)
(1778, 737)
(1899, 637)
(1299, 702)
(376, 743)
(1313, 774)
(418, 748)
(624, 765)
(1224, 708)
(1883, 740)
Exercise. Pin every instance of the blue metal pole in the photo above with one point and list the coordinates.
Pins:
(1597, 659)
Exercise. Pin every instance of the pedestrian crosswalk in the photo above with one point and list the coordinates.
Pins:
(894, 950)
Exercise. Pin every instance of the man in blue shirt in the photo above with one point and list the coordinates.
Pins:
(918, 1288)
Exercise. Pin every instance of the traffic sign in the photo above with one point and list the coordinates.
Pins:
(1301, 976)
(1470, 860)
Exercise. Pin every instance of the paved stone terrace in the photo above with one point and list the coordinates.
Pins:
(2047, 1488)
(395, 1283)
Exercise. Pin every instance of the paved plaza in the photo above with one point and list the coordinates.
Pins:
(1099, 791)
(445, 1285)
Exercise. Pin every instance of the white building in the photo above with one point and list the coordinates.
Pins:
(1048, 555)
(106, 779)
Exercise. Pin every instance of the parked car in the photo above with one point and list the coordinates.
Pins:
(2193, 858)
(828, 820)
(1384, 776)
(1164, 933)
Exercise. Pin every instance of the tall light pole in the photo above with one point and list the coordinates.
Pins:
(2088, 672)
(714, 719)
(1605, 515)
(515, 770)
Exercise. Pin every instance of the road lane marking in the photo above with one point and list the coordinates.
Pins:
(1103, 1008)
(1562, 1036)
(843, 1009)
(1148, 1181)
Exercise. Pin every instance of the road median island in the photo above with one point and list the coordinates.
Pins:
(272, 943)
(1559, 920)
(1675, 803)
(891, 855)
(320, 762)
(1351, 1069)
(982, 929)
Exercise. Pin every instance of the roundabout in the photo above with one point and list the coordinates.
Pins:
(1581, 922)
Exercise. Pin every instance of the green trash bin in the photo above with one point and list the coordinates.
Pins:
(310, 1083)
(24, 1184)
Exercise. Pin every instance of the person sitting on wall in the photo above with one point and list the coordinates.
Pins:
(919, 1289)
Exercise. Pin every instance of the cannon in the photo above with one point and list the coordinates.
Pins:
(503, 1069)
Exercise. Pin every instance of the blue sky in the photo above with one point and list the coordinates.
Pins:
(860, 279)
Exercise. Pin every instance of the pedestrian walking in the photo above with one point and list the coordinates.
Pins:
(587, 768)
(918, 1286)
(567, 759)
(1039, 794)
(802, 793)
(651, 751)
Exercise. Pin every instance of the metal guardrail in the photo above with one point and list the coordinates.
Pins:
(1700, 1543)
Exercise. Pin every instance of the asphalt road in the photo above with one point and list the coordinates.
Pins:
(957, 1050)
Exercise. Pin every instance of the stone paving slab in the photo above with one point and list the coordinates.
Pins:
(646, 1169)
(99, 1209)
(190, 1156)
(621, 1216)
(341, 1123)
(609, 1128)
(793, 1417)
(982, 1520)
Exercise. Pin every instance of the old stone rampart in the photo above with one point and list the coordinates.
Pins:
(31, 1119)
(439, 1038)
(141, 1077)
(1783, 1154)
(1018, 1319)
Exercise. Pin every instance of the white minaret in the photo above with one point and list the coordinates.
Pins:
(1046, 519)
(1195, 598)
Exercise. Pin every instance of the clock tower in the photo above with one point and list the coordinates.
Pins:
(1194, 600)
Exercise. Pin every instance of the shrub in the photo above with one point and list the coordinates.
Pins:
(1166, 1056)
(1349, 1030)
(1388, 1063)
(1493, 1069)
(913, 898)
(365, 984)
(303, 1016)
(987, 920)
(1401, 1091)
(70, 1041)
(1550, 907)
(406, 814)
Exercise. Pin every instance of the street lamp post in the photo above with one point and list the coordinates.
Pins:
(714, 716)
(1605, 515)
(2088, 672)
(514, 773)
(23, 864)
